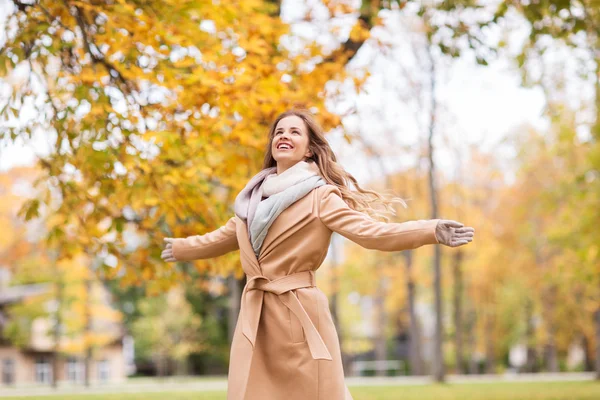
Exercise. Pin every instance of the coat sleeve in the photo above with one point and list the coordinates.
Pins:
(359, 227)
(209, 245)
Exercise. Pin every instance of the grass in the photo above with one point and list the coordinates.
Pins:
(587, 390)
(484, 391)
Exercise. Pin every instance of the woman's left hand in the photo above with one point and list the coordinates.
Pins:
(167, 253)
(453, 233)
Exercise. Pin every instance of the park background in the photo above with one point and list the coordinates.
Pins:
(123, 122)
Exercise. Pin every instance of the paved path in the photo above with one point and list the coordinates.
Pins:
(142, 385)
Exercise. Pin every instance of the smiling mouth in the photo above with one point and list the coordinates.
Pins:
(280, 147)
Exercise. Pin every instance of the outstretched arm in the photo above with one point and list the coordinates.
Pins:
(197, 247)
(378, 235)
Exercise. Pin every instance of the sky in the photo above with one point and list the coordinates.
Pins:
(477, 104)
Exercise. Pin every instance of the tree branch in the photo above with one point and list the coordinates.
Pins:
(97, 58)
(350, 47)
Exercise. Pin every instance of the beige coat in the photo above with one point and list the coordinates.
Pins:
(285, 345)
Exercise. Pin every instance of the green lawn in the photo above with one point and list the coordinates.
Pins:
(481, 391)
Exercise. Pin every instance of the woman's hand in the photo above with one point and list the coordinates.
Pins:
(167, 253)
(452, 233)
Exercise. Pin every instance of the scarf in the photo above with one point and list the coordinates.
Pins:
(280, 191)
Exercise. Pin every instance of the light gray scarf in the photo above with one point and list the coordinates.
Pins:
(280, 191)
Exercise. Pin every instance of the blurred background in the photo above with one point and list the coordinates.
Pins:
(123, 122)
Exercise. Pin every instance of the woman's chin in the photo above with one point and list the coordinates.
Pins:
(285, 157)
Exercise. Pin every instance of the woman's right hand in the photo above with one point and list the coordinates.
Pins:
(167, 253)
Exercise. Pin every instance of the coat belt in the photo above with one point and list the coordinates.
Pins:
(251, 306)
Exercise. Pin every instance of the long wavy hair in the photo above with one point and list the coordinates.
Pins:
(363, 200)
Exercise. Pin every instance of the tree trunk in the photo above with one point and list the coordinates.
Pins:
(530, 365)
(57, 326)
(588, 353)
(235, 297)
(594, 43)
(380, 342)
(181, 367)
(88, 332)
(161, 365)
(336, 248)
(597, 325)
(438, 355)
(414, 349)
(550, 356)
(490, 357)
(550, 353)
(458, 320)
(472, 340)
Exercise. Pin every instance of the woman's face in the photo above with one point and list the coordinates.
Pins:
(290, 131)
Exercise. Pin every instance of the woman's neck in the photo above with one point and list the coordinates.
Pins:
(284, 167)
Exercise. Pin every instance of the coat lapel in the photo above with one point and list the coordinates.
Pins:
(285, 224)
(289, 221)
(246, 251)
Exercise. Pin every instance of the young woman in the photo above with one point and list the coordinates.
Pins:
(285, 345)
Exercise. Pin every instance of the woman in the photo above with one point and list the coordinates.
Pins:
(285, 344)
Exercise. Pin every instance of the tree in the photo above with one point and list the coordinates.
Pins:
(156, 118)
(574, 26)
(164, 335)
(73, 312)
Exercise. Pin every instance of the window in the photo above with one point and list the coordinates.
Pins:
(103, 367)
(8, 371)
(43, 370)
(75, 370)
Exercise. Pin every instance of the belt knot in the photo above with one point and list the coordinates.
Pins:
(251, 307)
(284, 284)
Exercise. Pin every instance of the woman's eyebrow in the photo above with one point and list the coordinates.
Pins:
(293, 127)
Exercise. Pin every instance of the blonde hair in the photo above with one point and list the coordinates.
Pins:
(362, 200)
